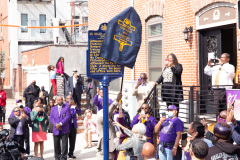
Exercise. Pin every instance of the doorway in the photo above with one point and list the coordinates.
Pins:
(214, 41)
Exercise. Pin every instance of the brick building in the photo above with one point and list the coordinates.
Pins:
(214, 23)
(14, 41)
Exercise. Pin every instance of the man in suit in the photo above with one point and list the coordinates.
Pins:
(142, 89)
(73, 127)
(27, 111)
(112, 134)
(44, 95)
(75, 87)
(60, 116)
(32, 93)
(91, 90)
(19, 126)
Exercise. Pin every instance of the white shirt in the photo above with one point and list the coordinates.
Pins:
(226, 75)
(60, 109)
(74, 82)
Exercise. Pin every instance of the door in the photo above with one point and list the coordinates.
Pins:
(210, 43)
(210, 47)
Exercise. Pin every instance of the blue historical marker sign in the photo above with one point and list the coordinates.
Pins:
(98, 67)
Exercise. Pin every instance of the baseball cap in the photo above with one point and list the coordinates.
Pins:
(222, 130)
(172, 107)
(17, 101)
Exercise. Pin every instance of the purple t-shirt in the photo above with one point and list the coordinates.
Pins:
(169, 129)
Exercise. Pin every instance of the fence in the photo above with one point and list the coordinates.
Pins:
(198, 102)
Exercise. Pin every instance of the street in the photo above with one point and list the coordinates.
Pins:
(80, 152)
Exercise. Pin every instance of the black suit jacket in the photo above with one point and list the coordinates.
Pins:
(78, 87)
(13, 121)
(35, 92)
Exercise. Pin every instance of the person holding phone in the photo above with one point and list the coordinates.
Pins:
(172, 91)
(142, 89)
(197, 131)
(170, 129)
(148, 120)
(39, 129)
(222, 74)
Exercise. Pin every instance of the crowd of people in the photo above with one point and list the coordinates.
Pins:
(128, 139)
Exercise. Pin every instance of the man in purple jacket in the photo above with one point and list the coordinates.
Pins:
(73, 127)
(60, 116)
(147, 120)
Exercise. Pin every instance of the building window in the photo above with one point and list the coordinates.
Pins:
(155, 47)
(85, 28)
(42, 19)
(24, 22)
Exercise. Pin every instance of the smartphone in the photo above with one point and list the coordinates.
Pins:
(133, 157)
(233, 104)
(184, 139)
(142, 112)
(164, 114)
(139, 80)
(215, 61)
(201, 131)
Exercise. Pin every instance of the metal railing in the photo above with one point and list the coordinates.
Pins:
(198, 102)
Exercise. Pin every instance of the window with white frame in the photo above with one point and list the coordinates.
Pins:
(24, 23)
(155, 47)
(42, 19)
(85, 27)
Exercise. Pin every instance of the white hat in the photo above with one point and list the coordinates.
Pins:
(75, 70)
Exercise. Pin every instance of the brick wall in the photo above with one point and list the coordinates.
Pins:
(36, 57)
(176, 15)
(4, 43)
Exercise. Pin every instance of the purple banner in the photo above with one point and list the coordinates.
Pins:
(233, 96)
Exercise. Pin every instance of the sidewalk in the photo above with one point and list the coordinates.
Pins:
(80, 152)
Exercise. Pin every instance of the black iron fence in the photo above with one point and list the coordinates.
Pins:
(198, 102)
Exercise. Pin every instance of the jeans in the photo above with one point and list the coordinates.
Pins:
(167, 155)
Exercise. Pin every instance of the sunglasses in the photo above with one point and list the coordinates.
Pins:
(17, 111)
(143, 78)
(144, 108)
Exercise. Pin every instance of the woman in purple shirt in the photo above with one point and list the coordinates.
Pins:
(170, 129)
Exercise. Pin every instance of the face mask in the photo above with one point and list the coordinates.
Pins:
(34, 83)
(170, 114)
(60, 103)
(20, 104)
(73, 106)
